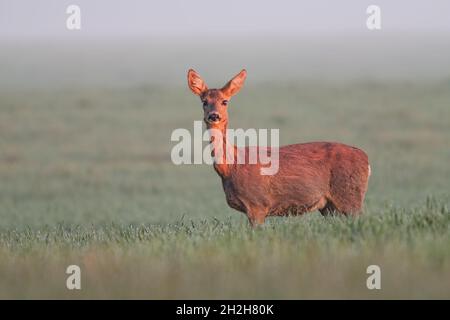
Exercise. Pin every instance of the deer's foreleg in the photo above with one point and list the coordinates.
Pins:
(256, 217)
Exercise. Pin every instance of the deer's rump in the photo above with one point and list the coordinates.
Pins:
(311, 176)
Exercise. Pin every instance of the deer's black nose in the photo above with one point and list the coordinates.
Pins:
(213, 117)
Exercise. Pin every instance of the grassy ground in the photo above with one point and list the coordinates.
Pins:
(86, 178)
(309, 257)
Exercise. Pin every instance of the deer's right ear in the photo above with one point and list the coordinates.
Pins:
(196, 83)
(234, 85)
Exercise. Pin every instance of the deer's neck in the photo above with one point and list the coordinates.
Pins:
(224, 153)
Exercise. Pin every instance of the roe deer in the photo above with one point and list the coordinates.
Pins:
(325, 176)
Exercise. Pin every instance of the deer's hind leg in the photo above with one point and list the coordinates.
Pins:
(348, 191)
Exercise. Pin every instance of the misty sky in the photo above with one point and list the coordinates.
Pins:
(204, 17)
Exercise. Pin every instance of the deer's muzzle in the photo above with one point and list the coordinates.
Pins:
(213, 117)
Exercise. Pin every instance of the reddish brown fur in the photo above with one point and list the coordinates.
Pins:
(324, 176)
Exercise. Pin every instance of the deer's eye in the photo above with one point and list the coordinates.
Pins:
(225, 102)
(205, 103)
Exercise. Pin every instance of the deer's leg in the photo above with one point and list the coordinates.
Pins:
(351, 206)
(256, 217)
(328, 209)
(256, 221)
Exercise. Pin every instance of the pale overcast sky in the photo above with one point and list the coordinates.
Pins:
(202, 17)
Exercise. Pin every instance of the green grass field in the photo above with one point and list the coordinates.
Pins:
(86, 178)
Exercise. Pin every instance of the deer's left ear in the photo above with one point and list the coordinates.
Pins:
(234, 85)
(196, 83)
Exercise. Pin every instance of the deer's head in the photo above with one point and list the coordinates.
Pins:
(215, 101)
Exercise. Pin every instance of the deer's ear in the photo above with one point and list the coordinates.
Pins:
(234, 85)
(196, 83)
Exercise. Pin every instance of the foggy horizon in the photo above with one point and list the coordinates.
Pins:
(102, 18)
(135, 43)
